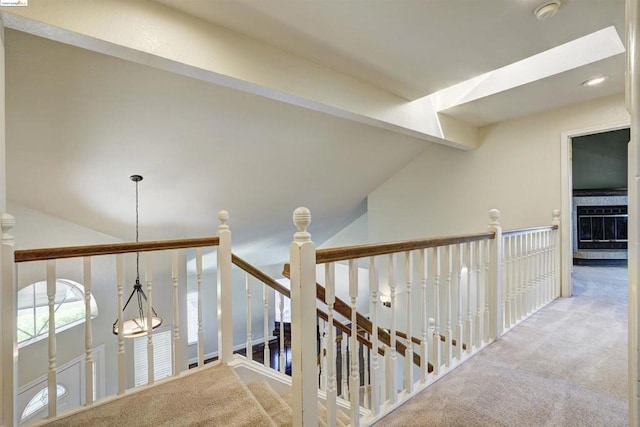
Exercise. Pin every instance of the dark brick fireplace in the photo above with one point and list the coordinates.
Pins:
(600, 226)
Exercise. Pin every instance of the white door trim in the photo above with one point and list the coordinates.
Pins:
(566, 193)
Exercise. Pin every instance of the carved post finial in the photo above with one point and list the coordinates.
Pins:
(494, 214)
(7, 222)
(223, 216)
(555, 215)
(302, 219)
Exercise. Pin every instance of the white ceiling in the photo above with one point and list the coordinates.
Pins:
(410, 47)
(79, 122)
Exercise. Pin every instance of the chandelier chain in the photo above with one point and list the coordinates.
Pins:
(137, 237)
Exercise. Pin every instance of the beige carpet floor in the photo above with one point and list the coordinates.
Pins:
(213, 397)
(565, 366)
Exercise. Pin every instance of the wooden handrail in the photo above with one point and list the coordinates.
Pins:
(526, 230)
(269, 281)
(111, 248)
(361, 251)
(345, 310)
(404, 337)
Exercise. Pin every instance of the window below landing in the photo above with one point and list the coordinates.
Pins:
(33, 309)
(40, 401)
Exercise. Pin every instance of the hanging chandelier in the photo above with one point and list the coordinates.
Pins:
(138, 325)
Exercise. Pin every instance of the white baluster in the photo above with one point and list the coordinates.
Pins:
(367, 378)
(545, 265)
(330, 299)
(249, 345)
(265, 314)
(479, 294)
(88, 337)
(375, 384)
(529, 272)
(225, 288)
(322, 367)
(52, 383)
(149, 280)
(458, 263)
(391, 375)
(121, 355)
(513, 281)
(508, 306)
(539, 275)
(486, 321)
(175, 274)
(545, 270)
(532, 273)
(354, 385)
(494, 260)
(431, 348)
(468, 253)
(435, 268)
(408, 355)
(8, 316)
(533, 264)
(522, 284)
(548, 266)
(448, 346)
(555, 251)
(303, 322)
(200, 297)
(424, 343)
(345, 374)
(389, 387)
(281, 335)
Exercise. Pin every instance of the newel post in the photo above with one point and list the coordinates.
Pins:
(302, 254)
(8, 331)
(556, 266)
(225, 303)
(496, 320)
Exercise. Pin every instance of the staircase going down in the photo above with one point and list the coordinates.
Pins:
(212, 395)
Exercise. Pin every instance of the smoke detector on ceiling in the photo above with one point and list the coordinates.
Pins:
(547, 10)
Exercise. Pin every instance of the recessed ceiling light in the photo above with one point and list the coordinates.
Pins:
(595, 81)
(547, 10)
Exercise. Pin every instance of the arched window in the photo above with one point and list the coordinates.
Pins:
(33, 309)
(40, 400)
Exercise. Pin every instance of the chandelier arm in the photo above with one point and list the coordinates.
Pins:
(128, 300)
(153, 310)
(140, 309)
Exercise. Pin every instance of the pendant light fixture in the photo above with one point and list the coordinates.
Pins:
(138, 325)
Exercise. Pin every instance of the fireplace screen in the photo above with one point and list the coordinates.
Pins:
(602, 227)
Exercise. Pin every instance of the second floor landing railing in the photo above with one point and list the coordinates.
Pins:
(94, 264)
(457, 294)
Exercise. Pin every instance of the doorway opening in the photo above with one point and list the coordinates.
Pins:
(599, 198)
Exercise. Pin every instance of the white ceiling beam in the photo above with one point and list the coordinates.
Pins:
(157, 36)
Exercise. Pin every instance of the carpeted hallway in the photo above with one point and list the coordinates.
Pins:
(565, 366)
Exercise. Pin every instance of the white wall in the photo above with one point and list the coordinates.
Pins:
(353, 234)
(516, 169)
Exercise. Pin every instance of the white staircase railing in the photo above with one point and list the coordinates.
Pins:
(461, 292)
(432, 304)
(85, 261)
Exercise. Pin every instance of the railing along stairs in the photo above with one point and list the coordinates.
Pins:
(472, 289)
(402, 314)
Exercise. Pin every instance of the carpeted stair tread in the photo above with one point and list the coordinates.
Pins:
(213, 396)
(272, 403)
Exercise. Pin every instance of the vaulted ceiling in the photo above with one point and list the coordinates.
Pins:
(81, 120)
